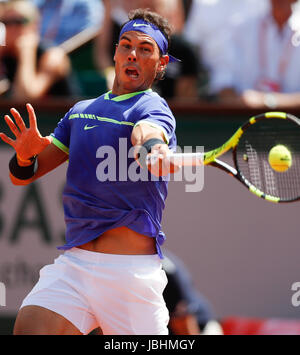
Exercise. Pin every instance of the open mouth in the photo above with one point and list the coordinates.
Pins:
(132, 73)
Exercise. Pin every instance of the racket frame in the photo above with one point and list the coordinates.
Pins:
(210, 158)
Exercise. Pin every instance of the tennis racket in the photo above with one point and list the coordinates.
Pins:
(250, 147)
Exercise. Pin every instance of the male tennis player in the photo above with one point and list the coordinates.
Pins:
(110, 274)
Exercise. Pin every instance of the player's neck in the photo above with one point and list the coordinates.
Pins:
(119, 90)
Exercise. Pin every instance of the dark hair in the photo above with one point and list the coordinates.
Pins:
(154, 18)
(157, 20)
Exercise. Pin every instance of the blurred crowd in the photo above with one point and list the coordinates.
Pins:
(235, 52)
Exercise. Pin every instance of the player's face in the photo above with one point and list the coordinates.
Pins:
(137, 62)
(17, 25)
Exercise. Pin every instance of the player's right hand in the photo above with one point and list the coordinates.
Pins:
(161, 166)
(29, 142)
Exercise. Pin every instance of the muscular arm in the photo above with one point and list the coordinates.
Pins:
(141, 134)
(29, 143)
(49, 159)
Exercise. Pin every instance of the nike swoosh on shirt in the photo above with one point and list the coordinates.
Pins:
(87, 127)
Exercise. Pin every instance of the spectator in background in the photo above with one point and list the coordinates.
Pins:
(30, 70)
(265, 56)
(180, 78)
(209, 26)
(63, 19)
(187, 7)
(2, 33)
(4, 84)
(190, 312)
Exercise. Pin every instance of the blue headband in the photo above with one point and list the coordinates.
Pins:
(152, 31)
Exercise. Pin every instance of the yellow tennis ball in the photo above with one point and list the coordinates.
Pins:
(280, 158)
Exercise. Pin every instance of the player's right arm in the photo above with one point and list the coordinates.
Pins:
(30, 143)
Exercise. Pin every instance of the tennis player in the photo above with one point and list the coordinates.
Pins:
(110, 274)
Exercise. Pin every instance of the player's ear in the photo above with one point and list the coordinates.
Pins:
(163, 62)
(116, 47)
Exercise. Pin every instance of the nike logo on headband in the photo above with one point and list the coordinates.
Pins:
(151, 30)
(140, 25)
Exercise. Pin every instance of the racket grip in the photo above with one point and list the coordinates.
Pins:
(178, 159)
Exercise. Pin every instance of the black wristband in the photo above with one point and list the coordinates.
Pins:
(22, 172)
(146, 148)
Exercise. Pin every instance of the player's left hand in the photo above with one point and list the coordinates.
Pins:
(29, 142)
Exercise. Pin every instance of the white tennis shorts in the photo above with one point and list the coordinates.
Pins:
(120, 293)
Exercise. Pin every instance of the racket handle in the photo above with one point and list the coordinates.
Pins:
(178, 159)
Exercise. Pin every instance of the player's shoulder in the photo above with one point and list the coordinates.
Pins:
(153, 95)
(82, 105)
(154, 100)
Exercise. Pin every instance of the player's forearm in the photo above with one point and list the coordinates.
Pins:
(49, 159)
(148, 139)
(18, 182)
(144, 132)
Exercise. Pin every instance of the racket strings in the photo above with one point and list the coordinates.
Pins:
(253, 164)
(252, 157)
